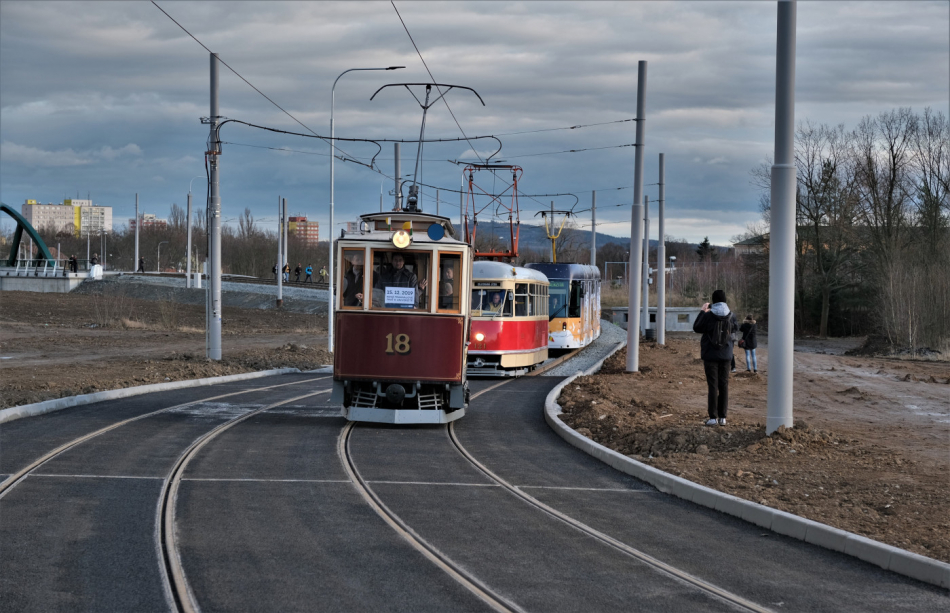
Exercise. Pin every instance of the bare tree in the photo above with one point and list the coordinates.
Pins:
(827, 202)
(931, 163)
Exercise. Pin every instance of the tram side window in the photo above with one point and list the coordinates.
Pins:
(577, 295)
(522, 308)
(400, 279)
(351, 281)
(449, 278)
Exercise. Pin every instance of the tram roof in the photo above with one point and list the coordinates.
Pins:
(484, 269)
(565, 271)
(390, 221)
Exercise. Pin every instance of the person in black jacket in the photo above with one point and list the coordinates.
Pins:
(749, 343)
(716, 357)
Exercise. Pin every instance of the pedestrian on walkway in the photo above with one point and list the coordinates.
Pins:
(748, 342)
(716, 323)
(309, 272)
(141, 265)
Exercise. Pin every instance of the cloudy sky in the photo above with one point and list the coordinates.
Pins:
(104, 98)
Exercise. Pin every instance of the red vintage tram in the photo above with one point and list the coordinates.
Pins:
(509, 320)
(402, 320)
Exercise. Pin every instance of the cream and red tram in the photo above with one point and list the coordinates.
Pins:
(573, 303)
(401, 320)
(509, 320)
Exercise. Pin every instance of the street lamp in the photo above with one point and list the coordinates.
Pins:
(672, 268)
(332, 158)
(158, 258)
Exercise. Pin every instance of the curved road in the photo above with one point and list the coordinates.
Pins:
(504, 515)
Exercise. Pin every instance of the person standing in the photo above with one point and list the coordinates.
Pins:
(141, 265)
(286, 271)
(324, 273)
(716, 323)
(309, 272)
(274, 270)
(297, 272)
(748, 342)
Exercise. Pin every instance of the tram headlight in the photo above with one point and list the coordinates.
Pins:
(401, 239)
(564, 326)
(479, 336)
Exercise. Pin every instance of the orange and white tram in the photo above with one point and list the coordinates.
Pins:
(509, 320)
(574, 303)
(401, 320)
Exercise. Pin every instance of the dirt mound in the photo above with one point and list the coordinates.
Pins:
(831, 468)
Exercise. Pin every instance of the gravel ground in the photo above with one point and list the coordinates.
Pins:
(610, 335)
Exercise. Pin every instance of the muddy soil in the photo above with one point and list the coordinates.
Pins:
(869, 453)
(56, 345)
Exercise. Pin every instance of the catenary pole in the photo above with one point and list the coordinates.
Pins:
(661, 259)
(436, 202)
(188, 249)
(782, 232)
(135, 264)
(636, 223)
(645, 274)
(214, 345)
(398, 157)
(593, 228)
(280, 253)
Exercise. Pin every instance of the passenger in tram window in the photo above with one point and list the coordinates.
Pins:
(398, 274)
(447, 287)
(353, 280)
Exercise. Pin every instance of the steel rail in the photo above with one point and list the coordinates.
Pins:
(184, 598)
(17, 477)
(456, 572)
(663, 567)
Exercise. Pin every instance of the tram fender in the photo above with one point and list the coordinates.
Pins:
(457, 396)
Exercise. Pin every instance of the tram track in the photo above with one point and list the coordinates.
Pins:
(472, 582)
(17, 477)
(173, 573)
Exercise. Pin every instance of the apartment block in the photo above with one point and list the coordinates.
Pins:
(308, 231)
(80, 217)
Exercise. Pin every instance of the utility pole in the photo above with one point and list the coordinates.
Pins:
(436, 201)
(661, 260)
(280, 253)
(636, 222)
(593, 229)
(135, 264)
(782, 249)
(214, 332)
(645, 274)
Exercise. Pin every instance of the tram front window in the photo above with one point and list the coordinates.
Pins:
(490, 302)
(557, 299)
(400, 279)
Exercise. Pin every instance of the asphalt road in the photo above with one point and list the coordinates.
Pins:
(268, 520)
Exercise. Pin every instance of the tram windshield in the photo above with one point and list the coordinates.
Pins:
(491, 302)
(400, 279)
(558, 298)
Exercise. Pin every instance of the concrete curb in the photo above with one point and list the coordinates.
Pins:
(888, 557)
(57, 404)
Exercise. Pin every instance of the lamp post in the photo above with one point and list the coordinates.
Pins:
(158, 258)
(332, 186)
(188, 249)
(672, 268)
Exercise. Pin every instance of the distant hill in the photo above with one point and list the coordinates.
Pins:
(534, 237)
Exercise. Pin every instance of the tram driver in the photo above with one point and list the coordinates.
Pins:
(397, 275)
(496, 303)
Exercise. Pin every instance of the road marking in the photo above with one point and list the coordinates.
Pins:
(269, 480)
(435, 483)
(584, 489)
(93, 476)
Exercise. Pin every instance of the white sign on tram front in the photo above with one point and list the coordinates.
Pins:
(401, 297)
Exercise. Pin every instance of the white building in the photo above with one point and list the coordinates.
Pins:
(93, 220)
(53, 217)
